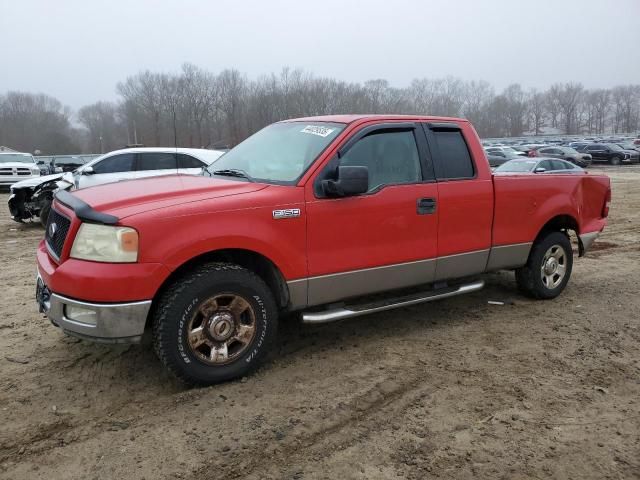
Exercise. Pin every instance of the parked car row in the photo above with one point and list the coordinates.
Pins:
(581, 152)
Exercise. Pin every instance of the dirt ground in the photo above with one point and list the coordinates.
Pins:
(453, 389)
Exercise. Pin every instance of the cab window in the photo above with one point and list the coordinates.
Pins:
(450, 148)
(390, 156)
(115, 164)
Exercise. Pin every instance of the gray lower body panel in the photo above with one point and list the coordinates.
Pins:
(329, 288)
(508, 256)
(461, 265)
(312, 291)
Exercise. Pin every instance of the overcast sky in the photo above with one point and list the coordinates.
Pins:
(77, 50)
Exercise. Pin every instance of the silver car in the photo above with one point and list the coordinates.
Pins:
(565, 153)
(539, 165)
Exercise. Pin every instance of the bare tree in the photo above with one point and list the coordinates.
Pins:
(626, 100)
(30, 122)
(516, 109)
(194, 107)
(553, 104)
(537, 110)
(104, 132)
(569, 100)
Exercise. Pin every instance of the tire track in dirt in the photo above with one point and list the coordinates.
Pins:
(369, 411)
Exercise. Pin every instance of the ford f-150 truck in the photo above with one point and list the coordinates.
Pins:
(312, 216)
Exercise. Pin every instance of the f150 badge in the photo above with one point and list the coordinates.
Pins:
(286, 213)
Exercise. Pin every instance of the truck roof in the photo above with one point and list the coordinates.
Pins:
(350, 118)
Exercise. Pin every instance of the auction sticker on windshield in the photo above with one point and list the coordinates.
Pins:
(316, 130)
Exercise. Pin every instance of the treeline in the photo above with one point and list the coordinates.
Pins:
(197, 108)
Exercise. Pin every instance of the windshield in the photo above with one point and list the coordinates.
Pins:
(9, 157)
(517, 166)
(569, 150)
(614, 147)
(279, 153)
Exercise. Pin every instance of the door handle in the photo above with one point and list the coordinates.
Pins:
(426, 206)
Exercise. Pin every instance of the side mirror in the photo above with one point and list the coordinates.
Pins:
(352, 180)
(88, 171)
(540, 170)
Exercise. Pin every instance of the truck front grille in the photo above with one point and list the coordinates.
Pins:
(57, 229)
(15, 171)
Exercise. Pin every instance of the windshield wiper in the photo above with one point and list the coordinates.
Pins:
(233, 172)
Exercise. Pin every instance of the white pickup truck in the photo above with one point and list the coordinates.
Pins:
(15, 167)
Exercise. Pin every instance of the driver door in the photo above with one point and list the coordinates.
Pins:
(385, 238)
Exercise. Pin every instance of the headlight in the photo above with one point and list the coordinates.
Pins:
(105, 243)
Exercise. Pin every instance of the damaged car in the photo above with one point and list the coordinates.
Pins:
(31, 199)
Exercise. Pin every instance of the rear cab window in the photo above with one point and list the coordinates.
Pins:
(452, 158)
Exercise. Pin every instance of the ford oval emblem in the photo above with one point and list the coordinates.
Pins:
(52, 229)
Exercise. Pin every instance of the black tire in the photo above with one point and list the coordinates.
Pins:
(531, 278)
(615, 161)
(182, 301)
(44, 211)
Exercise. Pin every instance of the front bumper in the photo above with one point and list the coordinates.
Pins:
(100, 322)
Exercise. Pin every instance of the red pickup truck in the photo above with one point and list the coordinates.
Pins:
(312, 215)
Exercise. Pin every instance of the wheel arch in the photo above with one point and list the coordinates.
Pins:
(262, 266)
(562, 223)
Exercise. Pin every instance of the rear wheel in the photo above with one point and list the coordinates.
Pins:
(214, 324)
(549, 267)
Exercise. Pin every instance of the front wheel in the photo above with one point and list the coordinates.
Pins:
(44, 211)
(549, 267)
(615, 160)
(214, 324)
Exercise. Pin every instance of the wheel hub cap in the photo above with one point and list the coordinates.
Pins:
(221, 329)
(221, 326)
(554, 267)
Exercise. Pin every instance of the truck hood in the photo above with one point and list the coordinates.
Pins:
(127, 198)
(34, 182)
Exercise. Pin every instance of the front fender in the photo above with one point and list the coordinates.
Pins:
(175, 239)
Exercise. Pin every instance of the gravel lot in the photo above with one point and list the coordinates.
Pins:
(453, 389)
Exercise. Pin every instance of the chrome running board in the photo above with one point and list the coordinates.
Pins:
(332, 315)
